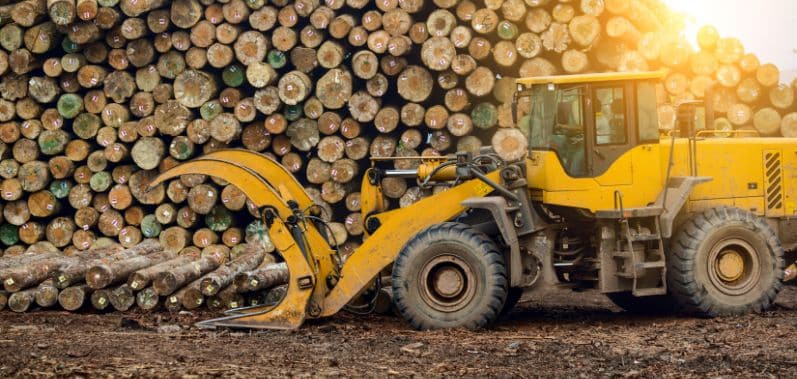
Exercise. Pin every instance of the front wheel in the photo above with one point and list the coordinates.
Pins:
(449, 276)
(725, 261)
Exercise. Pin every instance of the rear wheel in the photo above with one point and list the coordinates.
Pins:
(449, 276)
(725, 261)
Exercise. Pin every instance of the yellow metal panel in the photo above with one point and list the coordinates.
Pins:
(591, 78)
(648, 174)
(737, 166)
(736, 169)
(752, 204)
(621, 172)
(371, 198)
(790, 180)
(637, 174)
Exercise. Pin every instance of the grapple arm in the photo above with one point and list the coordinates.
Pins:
(307, 253)
(306, 261)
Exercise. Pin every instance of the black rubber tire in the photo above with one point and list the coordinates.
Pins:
(647, 305)
(688, 275)
(512, 298)
(473, 248)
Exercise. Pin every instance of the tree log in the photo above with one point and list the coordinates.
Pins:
(788, 125)
(142, 278)
(767, 121)
(166, 282)
(73, 298)
(102, 275)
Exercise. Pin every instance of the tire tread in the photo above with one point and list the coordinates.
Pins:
(682, 283)
(495, 268)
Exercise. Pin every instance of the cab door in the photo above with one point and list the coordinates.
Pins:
(647, 157)
(610, 138)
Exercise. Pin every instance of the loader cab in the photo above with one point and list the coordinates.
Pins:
(589, 121)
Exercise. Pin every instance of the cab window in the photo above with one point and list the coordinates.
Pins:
(647, 112)
(610, 112)
(557, 123)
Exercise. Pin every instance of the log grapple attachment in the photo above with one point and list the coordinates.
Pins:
(320, 285)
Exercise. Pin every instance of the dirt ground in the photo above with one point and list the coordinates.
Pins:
(565, 334)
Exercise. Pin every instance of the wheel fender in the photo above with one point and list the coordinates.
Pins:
(497, 207)
(675, 194)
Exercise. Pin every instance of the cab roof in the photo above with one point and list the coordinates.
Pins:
(591, 78)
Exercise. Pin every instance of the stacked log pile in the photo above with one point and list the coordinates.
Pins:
(147, 276)
(99, 96)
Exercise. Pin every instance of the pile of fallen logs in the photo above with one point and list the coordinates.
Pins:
(99, 96)
(747, 94)
(146, 275)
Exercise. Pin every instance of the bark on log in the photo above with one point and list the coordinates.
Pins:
(21, 277)
(259, 279)
(166, 282)
(142, 278)
(222, 277)
(102, 275)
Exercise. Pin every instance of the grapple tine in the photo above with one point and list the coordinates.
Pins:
(248, 309)
(270, 170)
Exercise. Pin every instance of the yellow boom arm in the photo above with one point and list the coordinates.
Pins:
(316, 287)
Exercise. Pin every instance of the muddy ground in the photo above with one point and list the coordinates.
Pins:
(565, 334)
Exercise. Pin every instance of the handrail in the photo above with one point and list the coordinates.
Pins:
(715, 133)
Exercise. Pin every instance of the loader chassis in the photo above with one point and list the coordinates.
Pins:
(600, 201)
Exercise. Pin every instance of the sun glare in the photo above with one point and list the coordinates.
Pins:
(757, 25)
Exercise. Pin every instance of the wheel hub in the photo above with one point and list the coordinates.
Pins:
(448, 283)
(733, 266)
(730, 265)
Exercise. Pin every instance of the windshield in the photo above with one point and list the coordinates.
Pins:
(554, 120)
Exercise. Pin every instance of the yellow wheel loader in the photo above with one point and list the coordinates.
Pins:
(697, 219)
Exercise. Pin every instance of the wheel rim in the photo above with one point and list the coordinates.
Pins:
(733, 267)
(448, 283)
